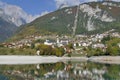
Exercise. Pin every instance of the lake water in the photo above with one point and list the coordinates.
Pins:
(69, 70)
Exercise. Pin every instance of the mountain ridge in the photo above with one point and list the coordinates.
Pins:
(92, 17)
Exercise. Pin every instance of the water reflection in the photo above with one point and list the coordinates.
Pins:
(61, 71)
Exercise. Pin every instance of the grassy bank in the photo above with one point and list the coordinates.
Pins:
(12, 51)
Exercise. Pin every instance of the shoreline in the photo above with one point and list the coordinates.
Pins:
(105, 59)
(20, 59)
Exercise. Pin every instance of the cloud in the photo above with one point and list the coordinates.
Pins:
(89, 0)
(44, 13)
(66, 3)
(16, 14)
(30, 18)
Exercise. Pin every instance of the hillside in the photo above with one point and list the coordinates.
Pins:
(87, 18)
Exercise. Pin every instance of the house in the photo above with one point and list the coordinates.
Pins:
(37, 37)
(75, 44)
(115, 34)
(79, 44)
(62, 42)
(119, 45)
(48, 42)
(98, 45)
(84, 44)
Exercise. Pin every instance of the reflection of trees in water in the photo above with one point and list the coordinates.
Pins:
(61, 71)
(112, 72)
(94, 71)
(22, 72)
(87, 71)
(17, 72)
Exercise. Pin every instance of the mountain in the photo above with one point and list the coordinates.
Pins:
(5, 30)
(15, 14)
(11, 17)
(87, 18)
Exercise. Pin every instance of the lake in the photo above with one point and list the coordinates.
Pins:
(68, 70)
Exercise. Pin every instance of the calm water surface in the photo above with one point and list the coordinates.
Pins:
(70, 70)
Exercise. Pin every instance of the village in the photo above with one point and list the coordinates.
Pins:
(79, 43)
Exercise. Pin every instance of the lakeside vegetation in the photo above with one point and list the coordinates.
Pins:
(49, 50)
(13, 51)
(44, 50)
(112, 48)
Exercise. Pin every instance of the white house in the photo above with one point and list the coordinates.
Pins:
(98, 45)
(119, 45)
(84, 44)
(48, 42)
(62, 42)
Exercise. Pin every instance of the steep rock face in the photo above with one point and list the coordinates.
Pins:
(98, 16)
(93, 17)
(95, 13)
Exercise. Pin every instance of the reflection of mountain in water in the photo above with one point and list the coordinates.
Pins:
(61, 71)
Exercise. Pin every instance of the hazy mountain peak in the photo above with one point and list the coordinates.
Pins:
(15, 14)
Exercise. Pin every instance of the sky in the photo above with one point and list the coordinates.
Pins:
(40, 7)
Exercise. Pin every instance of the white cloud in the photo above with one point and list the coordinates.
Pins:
(16, 14)
(89, 0)
(66, 3)
(44, 13)
(31, 18)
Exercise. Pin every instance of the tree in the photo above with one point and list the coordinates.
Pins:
(32, 46)
(70, 46)
(105, 39)
(112, 47)
(48, 50)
